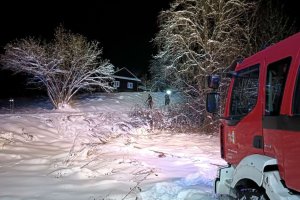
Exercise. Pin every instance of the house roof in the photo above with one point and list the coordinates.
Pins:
(125, 74)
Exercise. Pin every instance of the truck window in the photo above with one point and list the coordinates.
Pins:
(296, 106)
(276, 78)
(244, 91)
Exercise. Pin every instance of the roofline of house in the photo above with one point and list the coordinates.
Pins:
(128, 71)
(126, 78)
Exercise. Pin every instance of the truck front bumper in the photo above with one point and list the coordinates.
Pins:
(223, 181)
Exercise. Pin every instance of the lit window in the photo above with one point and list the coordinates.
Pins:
(130, 85)
(116, 84)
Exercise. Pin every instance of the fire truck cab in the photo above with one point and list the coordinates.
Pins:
(260, 127)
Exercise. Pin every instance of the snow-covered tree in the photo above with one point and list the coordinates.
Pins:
(198, 38)
(202, 37)
(63, 66)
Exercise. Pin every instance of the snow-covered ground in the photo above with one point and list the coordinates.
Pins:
(97, 151)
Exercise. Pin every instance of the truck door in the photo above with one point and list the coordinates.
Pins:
(243, 129)
(275, 84)
(281, 121)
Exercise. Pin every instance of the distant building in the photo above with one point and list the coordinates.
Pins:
(125, 80)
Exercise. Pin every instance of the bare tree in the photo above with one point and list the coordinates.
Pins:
(63, 66)
(268, 24)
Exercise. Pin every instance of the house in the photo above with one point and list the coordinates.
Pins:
(125, 80)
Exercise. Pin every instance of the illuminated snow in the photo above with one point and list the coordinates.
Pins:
(95, 151)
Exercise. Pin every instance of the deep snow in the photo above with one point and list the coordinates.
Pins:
(97, 151)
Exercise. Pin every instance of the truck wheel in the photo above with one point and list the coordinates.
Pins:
(251, 194)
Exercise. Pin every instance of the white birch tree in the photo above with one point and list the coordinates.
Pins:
(64, 66)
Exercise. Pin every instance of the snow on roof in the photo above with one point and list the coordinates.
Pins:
(133, 77)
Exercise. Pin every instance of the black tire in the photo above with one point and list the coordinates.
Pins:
(252, 194)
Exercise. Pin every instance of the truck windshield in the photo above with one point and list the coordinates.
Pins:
(244, 92)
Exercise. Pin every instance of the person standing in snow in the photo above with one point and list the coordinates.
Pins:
(167, 99)
(149, 101)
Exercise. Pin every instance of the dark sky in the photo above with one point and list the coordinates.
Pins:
(123, 28)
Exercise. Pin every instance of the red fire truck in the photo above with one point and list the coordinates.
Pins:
(260, 126)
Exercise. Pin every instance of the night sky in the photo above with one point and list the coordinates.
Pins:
(123, 28)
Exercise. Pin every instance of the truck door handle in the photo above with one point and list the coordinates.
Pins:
(258, 142)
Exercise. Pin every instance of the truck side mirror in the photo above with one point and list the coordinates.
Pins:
(213, 81)
(212, 102)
